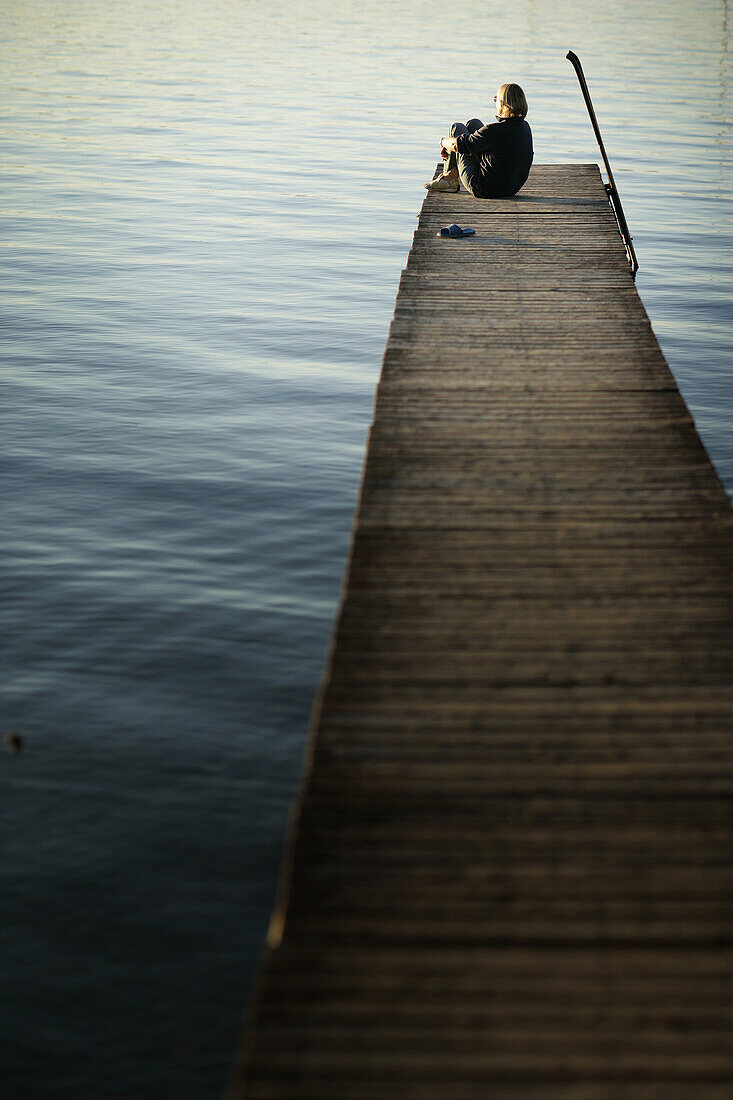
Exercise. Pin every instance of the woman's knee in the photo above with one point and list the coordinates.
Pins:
(474, 124)
(457, 128)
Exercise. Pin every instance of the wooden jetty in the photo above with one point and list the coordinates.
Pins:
(509, 869)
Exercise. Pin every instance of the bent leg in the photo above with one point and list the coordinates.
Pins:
(450, 165)
(468, 172)
(463, 163)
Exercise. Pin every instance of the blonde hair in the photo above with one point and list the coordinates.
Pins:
(511, 102)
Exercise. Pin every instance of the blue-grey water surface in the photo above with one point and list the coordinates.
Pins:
(206, 208)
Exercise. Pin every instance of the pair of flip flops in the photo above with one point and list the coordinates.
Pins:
(455, 231)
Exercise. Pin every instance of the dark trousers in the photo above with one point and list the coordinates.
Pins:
(468, 169)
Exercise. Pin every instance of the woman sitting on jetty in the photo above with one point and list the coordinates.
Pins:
(491, 161)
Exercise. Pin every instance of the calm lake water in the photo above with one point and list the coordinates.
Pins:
(206, 208)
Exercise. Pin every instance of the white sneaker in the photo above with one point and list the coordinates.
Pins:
(442, 183)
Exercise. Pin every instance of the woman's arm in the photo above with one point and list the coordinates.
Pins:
(489, 137)
(449, 144)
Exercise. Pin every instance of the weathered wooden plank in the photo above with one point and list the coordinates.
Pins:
(509, 872)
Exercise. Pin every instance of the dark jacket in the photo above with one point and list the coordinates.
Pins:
(503, 152)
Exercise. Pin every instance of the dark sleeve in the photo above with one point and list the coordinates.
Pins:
(480, 141)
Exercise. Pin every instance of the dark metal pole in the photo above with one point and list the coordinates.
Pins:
(611, 189)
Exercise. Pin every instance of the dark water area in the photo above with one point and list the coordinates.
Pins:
(206, 209)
